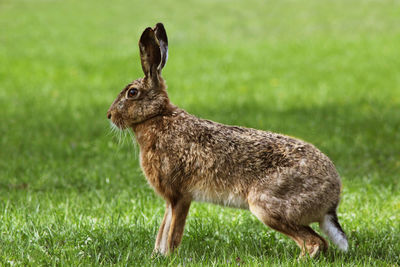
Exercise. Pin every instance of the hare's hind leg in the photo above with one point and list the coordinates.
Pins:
(311, 242)
(306, 238)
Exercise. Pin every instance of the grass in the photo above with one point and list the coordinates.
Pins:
(323, 71)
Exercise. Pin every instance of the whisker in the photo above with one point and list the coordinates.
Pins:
(134, 143)
(123, 136)
(115, 131)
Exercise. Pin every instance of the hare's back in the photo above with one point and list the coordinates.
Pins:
(230, 151)
(262, 150)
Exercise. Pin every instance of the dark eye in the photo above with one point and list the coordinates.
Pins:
(132, 92)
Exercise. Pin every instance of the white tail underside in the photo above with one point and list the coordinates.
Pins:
(331, 230)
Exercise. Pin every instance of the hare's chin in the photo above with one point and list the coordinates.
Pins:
(117, 125)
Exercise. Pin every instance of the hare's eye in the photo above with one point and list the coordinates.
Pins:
(132, 92)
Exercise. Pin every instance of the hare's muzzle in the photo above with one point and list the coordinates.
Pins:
(109, 114)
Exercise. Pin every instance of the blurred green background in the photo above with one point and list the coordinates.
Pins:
(327, 72)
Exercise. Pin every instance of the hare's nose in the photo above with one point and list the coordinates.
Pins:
(109, 115)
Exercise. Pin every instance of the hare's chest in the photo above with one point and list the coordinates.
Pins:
(150, 164)
(158, 169)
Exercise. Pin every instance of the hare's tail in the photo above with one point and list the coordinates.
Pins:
(331, 227)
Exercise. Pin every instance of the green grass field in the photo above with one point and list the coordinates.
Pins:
(327, 72)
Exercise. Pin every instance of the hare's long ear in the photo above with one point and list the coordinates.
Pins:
(150, 53)
(162, 38)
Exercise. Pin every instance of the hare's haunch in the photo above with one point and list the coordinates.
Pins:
(285, 182)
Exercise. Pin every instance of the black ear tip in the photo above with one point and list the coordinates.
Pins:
(159, 26)
(147, 30)
(161, 33)
(148, 34)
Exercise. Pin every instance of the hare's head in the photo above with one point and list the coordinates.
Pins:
(146, 97)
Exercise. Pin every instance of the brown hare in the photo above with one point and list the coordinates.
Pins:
(285, 182)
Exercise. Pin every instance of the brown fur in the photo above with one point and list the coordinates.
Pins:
(285, 182)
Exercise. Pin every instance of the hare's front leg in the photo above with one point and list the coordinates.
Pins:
(180, 209)
(171, 230)
(162, 236)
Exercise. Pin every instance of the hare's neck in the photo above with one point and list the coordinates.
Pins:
(147, 131)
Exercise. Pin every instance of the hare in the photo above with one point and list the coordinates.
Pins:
(285, 182)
